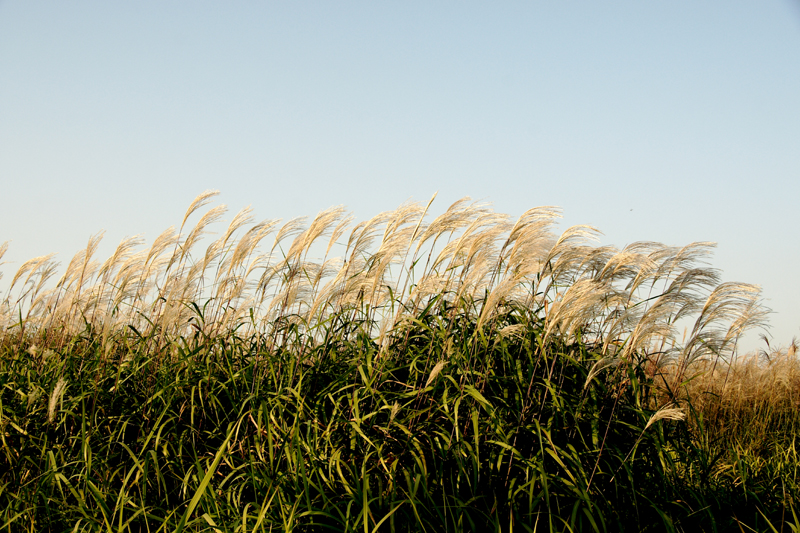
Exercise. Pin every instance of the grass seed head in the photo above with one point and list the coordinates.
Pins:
(55, 398)
(435, 372)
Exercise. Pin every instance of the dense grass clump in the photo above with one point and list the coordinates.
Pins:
(467, 374)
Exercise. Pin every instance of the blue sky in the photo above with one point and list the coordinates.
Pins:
(670, 121)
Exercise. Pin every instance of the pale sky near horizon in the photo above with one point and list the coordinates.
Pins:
(669, 121)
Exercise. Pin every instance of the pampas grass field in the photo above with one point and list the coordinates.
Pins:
(466, 371)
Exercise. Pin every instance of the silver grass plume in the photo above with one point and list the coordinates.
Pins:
(437, 368)
(55, 398)
(31, 265)
(211, 216)
(202, 199)
(3, 250)
(600, 365)
(667, 412)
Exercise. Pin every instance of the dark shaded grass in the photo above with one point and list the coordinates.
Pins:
(326, 430)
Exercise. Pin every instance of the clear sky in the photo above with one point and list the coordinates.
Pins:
(673, 121)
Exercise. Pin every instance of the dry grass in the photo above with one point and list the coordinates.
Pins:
(628, 300)
(751, 396)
